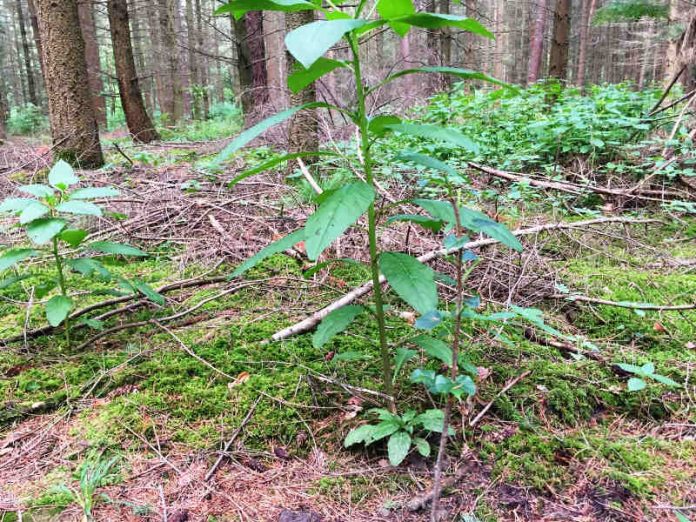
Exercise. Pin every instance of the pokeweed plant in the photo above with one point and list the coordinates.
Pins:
(338, 209)
(50, 219)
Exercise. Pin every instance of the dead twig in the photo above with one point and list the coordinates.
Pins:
(502, 392)
(625, 304)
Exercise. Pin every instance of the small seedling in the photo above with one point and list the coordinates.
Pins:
(50, 218)
(642, 374)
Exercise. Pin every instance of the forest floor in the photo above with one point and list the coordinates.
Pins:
(156, 404)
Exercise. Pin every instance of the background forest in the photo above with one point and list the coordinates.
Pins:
(379, 260)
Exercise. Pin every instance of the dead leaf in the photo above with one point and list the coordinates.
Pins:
(241, 379)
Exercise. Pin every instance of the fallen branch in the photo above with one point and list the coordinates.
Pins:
(564, 186)
(626, 304)
(310, 322)
(487, 407)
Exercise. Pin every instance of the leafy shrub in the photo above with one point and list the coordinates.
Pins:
(224, 120)
(27, 120)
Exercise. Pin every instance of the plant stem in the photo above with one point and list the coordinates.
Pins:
(363, 125)
(61, 285)
(454, 370)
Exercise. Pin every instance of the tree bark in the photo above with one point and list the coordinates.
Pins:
(73, 124)
(257, 53)
(139, 123)
(85, 9)
(28, 69)
(587, 9)
(3, 113)
(536, 43)
(446, 43)
(194, 77)
(203, 69)
(244, 76)
(558, 62)
(500, 41)
(172, 74)
(303, 130)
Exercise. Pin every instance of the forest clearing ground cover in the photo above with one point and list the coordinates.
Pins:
(566, 442)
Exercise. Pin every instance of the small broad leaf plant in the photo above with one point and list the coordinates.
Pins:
(413, 281)
(50, 216)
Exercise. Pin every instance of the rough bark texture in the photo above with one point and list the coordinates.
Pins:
(85, 9)
(587, 9)
(26, 54)
(3, 114)
(536, 42)
(681, 53)
(257, 53)
(139, 123)
(73, 125)
(558, 62)
(173, 104)
(304, 130)
(204, 63)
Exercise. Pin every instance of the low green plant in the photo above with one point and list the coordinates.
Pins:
(642, 374)
(51, 220)
(27, 120)
(94, 473)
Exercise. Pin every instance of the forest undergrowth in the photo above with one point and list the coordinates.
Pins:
(182, 410)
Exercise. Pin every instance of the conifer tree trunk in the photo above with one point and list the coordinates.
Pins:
(3, 113)
(304, 130)
(73, 124)
(587, 9)
(172, 75)
(536, 43)
(139, 123)
(558, 62)
(243, 76)
(203, 70)
(28, 69)
(257, 53)
(192, 44)
(85, 9)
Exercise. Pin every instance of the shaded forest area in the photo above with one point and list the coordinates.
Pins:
(318, 260)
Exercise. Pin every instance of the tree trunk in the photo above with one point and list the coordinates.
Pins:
(257, 52)
(587, 9)
(85, 9)
(28, 69)
(558, 62)
(3, 113)
(500, 41)
(139, 123)
(536, 43)
(172, 73)
(73, 124)
(203, 69)
(194, 77)
(303, 130)
(446, 44)
(470, 38)
(244, 76)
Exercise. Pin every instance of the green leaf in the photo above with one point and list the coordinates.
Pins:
(14, 205)
(403, 355)
(630, 368)
(462, 74)
(431, 420)
(398, 447)
(83, 208)
(9, 281)
(664, 380)
(38, 190)
(413, 281)
(681, 517)
(429, 162)
(239, 8)
(276, 161)
(310, 42)
(422, 445)
(149, 292)
(435, 348)
(383, 430)
(73, 237)
(88, 267)
(336, 213)
(254, 132)
(11, 257)
(57, 309)
(433, 132)
(274, 248)
(34, 211)
(378, 126)
(62, 176)
(360, 434)
(438, 21)
(117, 249)
(41, 231)
(335, 323)
(480, 222)
(636, 384)
(648, 368)
(389, 9)
(302, 77)
(350, 356)
(95, 193)
(424, 221)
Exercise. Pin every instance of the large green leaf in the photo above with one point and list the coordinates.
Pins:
(274, 248)
(239, 8)
(429, 162)
(439, 21)
(73, 237)
(402, 356)
(431, 420)
(335, 323)
(13, 256)
(14, 205)
(310, 42)
(149, 292)
(84, 208)
(302, 77)
(34, 211)
(413, 281)
(88, 267)
(117, 249)
(62, 176)
(390, 9)
(433, 132)
(37, 190)
(95, 193)
(277, 161)
(57, 309)
(480, 222)
(435, 348)
(360, 434)
(462, 74)
(254, 132)
(41, 231)
(336, 213)
(398, 446)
